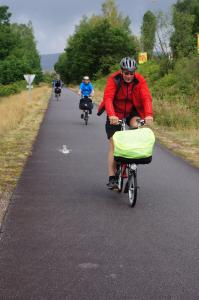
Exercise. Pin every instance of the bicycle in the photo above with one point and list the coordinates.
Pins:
(127, 169)
(86, 105)
(85, 116)
(57, 93)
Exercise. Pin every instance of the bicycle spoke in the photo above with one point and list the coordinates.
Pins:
(132, 188)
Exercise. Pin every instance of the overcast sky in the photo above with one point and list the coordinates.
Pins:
(53, 21)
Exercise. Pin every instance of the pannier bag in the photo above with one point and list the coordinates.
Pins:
(85, 103)
(134, 146)
(57, 90)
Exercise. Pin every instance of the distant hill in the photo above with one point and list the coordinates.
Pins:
(48, 61)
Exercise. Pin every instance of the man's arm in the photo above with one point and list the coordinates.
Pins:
(147, 102)
(109, 94)
(80, 89)
(91, 89)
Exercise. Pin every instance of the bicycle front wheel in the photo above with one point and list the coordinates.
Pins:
(132, 189)
(86, 117)
(120, 178)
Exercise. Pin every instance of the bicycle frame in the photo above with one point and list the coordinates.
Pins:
(85, 114)
(131, 184)
(57, 94)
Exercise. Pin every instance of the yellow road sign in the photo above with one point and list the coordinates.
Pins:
(142, 58)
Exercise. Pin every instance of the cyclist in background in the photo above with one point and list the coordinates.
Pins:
(86, 87)
(86, 91)
(57, 85)
(126, 95)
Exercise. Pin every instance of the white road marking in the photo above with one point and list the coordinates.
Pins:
(88, 266)
(65, 150)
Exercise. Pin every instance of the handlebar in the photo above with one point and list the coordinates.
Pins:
(140, 122)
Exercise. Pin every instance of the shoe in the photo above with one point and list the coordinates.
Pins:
(112, 184)
(82, 116)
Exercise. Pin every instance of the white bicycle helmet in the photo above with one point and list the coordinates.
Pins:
(86, 78)
(128, 63)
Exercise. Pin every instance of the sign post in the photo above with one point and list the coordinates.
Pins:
(29, 79)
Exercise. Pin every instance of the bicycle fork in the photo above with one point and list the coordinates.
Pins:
(132, 174)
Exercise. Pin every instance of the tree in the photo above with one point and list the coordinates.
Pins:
(164, 31)
(18, 53)
(186, 27)
(182, 41)
(98, 43)
(148, 30)
(110, 13)
(12, 70)
(7, 39)
(4, 15)
(189, 7)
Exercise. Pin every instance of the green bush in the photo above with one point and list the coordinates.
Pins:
(100, 83)
(49, 77)
(165, 86)
(9, 89)
(150, 70)
(186, 72)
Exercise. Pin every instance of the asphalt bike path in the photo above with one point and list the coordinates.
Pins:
(65, 236)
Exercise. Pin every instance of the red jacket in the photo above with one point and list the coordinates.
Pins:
(120, 100)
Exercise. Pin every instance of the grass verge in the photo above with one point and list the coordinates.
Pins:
(19, 124)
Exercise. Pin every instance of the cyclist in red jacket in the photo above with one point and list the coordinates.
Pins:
(126, 95)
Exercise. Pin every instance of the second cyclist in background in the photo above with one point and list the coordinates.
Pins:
(86, 91)
(57, 86)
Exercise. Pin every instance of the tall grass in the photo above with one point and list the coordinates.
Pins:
(175, 115)
(14, 108)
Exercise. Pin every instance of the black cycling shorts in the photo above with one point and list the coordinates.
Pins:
(111, 129)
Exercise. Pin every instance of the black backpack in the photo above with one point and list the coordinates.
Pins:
(57, 83)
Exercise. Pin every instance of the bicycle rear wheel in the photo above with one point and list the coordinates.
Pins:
(132, 188)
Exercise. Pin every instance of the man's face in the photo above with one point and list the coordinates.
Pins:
(127, 76)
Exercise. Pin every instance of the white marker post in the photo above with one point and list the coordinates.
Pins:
(29, 79)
